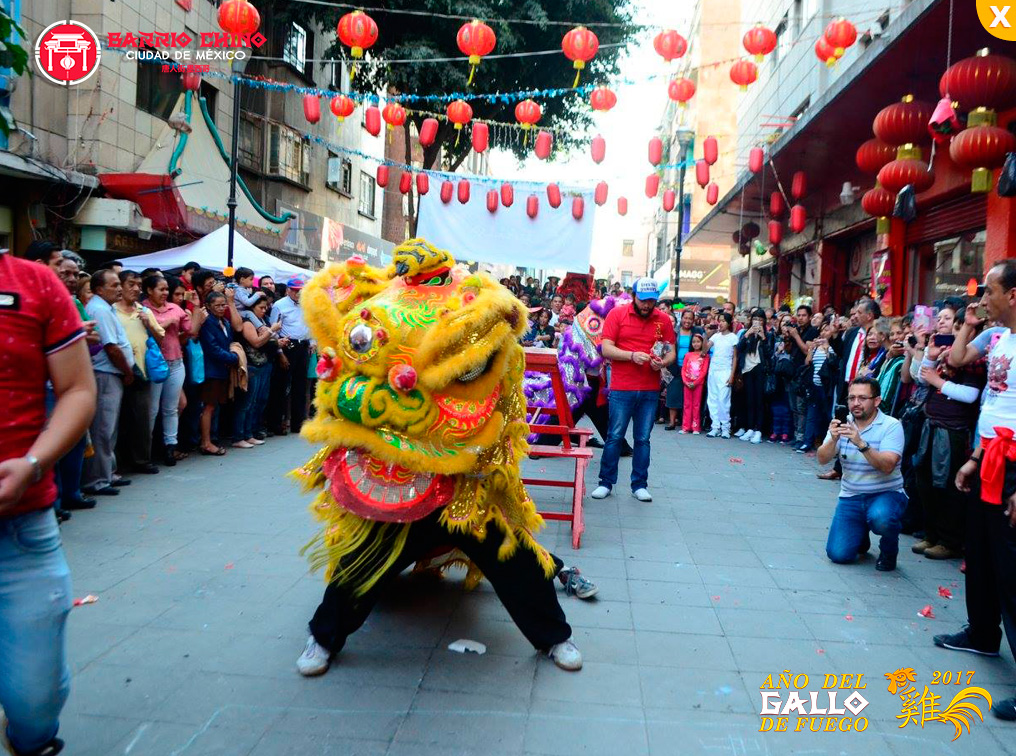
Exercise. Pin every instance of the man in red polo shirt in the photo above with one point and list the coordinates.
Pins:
(43, 338)
(638, 340)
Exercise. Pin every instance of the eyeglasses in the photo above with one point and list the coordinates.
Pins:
(853, 398)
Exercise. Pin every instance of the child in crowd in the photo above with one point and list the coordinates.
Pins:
(567, 314)
(244, 284)
(693, 373)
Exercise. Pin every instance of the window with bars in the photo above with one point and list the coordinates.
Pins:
(340, 174)
(368, 188)
(294, 52)
(250, 149)
(288, 154)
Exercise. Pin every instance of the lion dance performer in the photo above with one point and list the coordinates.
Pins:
(421, 413)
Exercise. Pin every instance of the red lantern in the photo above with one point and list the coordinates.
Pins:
(982, 147)
(879, 203)
(447, 189)
(358, 32)
(681, 90)
(580, 46)
(655, 150)
(343, 107)
(652, 184)
(907, 168)
(756, 159)
(602, 99)
(507, 195)
(702, 173)
(475, 39)
(192, 83)
(904, 122)
(775, 232)
(825, 52)
(578, 207)
(598, 148)
(622, 205)
(382, 176)
(422, 183)
(982, 81)
(840, 34)
(239, 17)
(759, 41)
(554, 195)
(777, 205)
(463, 191)
(372, 120)
(743, 73)
(670, 45)
(669, 200)
(798, 218)
(600, 194)
(873, 154)
(459, 113)
(480, 136)
(492, 201)
(428, 132)
(712, 194)
(544, 143)
(405, 182)
(710, 150)
(532, 205)
(527, 113)
(799, 185)
(394, 115)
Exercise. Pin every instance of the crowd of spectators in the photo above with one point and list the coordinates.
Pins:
(191, 363)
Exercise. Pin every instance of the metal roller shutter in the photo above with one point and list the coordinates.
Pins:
(964, 213)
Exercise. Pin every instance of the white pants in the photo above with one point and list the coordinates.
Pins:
(166, 400)
(718, 399)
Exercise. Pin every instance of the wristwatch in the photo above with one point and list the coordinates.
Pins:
(36, 467)
(864, 448)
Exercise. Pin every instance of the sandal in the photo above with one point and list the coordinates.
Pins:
(670, 426)
(218, 452)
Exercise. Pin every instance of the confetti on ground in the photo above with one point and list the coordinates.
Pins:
(926, 612)
(542, 470)
(89, 599)
(464, 644)
(736, 461)
(229, 566)
(715, 598)
(820, 651)
(944, 592)
(849, 618)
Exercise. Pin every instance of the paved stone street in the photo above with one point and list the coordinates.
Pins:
(721, 581)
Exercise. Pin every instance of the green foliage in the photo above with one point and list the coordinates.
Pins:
(12, 56)
(405, 36)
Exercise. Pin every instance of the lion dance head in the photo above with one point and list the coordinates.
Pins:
(419, 407)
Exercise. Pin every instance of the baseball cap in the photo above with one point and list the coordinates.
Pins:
(295, 283)
(646, 288)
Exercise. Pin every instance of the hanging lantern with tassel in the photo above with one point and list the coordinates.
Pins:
(759, 41)
(670, 45)
(743, 73)
(239, 18)
(459, 112)
(681, 90)
(527, 113)
(475, 39)
(879, 203)
(602, 99)
(343, 107)
(580, 46)
(840, 34)
(358, 32)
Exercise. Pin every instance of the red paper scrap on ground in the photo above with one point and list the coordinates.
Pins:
(89, 599)
(944, 592)
(736, 461)
(927, 613)
(229, 566)
(849, 618)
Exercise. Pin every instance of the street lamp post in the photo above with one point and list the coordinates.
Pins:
(684, 140)
(239, 65)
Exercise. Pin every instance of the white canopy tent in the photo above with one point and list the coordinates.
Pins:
(210, 253)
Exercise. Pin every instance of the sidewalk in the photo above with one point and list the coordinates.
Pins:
(720, 582)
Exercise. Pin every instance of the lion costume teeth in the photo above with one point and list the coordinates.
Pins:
(419, 406)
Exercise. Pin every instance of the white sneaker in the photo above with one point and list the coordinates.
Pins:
(642, 494)
(725, 434)
(682, 431)
(600, 492)
(713, 433)
(756, 437)
(566, 655)
(695, 433)
(314, 660)
(740, 433)
(747, 435)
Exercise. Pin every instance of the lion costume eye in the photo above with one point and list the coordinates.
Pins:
(475, 373)
(361, 338)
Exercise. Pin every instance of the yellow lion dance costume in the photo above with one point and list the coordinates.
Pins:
(420, 409)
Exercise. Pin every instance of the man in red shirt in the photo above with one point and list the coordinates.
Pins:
(43, 339)
(638, 340)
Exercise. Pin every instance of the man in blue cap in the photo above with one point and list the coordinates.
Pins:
(291, 369)
(638, 340)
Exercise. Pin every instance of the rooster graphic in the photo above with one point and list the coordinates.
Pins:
(998, 373)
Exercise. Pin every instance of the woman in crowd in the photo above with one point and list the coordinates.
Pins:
(820, 373)
(754, 361)
(722, 362)
(889, 376)
(165, 396)
(260, 342)
(876, 344)
(675, 389)
(946, 441)
(778, 380)
(216, 336)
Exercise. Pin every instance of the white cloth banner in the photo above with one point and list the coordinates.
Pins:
(553, 240)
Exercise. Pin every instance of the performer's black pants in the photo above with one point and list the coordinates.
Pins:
(990, 574)
(520, 582)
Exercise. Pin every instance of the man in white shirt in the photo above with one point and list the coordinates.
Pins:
(291, 368)
(991, 509)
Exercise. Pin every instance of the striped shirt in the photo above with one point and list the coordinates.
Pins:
(885, 434)
(818, 360)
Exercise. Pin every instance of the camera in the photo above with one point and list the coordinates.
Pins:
(912, 340)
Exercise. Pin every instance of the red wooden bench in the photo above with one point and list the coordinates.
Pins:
(545, 361)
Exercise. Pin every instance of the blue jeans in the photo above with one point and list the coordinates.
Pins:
(818, 415)
(638, 407)
(35, 599)
(67, 473)
(247, 415)
(880, 513)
